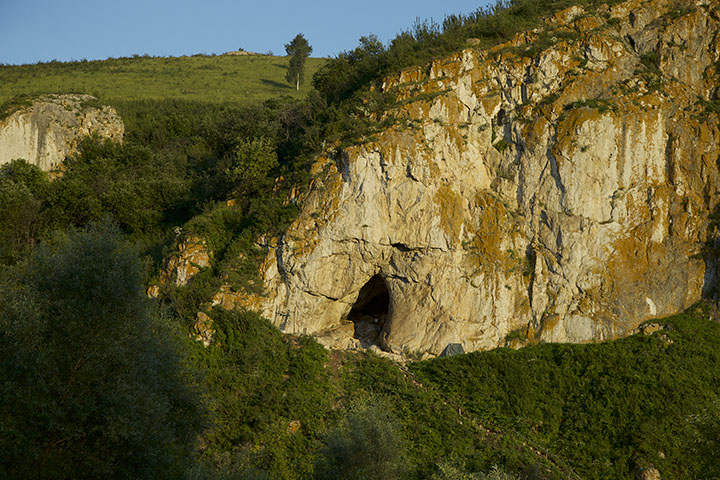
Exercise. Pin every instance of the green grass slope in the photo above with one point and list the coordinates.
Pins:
(546, 411)
(215, 79)
(608, 409)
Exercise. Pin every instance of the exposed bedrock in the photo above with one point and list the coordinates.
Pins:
(562, 194)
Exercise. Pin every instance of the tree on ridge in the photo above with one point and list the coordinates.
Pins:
(298, 50)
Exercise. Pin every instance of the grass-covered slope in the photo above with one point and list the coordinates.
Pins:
(546, 411)
(214, 79)
(607, 409)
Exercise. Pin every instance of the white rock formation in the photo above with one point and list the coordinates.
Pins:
(51, 127)
(564, 194)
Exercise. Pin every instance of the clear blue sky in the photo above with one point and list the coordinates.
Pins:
(43, 30)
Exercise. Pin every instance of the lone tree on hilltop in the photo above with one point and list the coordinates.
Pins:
(298, 50)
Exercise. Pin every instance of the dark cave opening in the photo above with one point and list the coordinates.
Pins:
(370, 312)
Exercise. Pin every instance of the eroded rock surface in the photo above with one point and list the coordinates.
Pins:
(558, 185)
(51, 127)
(192, 255)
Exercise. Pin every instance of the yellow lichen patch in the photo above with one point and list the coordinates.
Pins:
(319, 165)
(432, 86)
(448, 109)
(450, 210)
(412, 75)
(535, 132)
(391, 143)
(322, 206)
(418, 111)
(588, 24)
(568, 128)
(548, 324)
(449, 67)
(227, 299)
(455, 137)
(490, 229)
(628, 261)
(490, 104)
(565, 16)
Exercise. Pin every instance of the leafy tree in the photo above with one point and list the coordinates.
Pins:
(91, 382)
(261, 384)
(19, 220)
(369, 444)
(298, 50)
(705, 438)
(254, 159)
(23, 188)
(27, 174)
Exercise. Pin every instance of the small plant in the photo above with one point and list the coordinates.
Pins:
(600, 104)
(517, 334)
(549, 99)
(501, 145)
(679, 11)
(651, 62)
(368, 444)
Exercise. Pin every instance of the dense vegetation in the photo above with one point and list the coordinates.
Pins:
(201, 158)
(607, 409)
(593, 411)
(92, 379)
(352, 72)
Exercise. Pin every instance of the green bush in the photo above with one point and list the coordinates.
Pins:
(368, 444)
(93, 383)
(603, 408)
(261, 382)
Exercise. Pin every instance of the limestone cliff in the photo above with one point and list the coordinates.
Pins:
(557, 187)
(46, 131)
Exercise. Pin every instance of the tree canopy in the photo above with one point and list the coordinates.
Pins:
(92, 381)
(298, 50)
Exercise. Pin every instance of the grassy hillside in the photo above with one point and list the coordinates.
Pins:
(546, 411)
(607, 409)
(215, 79)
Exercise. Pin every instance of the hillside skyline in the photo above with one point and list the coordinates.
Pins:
(41, 31)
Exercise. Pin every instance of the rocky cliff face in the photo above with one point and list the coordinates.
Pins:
(50, 128)
(557, 188)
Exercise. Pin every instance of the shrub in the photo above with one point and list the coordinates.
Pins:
(368, 444)
(92, 382)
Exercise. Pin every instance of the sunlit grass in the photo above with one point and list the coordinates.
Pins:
(216, 79)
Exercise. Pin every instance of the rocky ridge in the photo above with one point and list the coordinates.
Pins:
(51, 127)
(558, 187)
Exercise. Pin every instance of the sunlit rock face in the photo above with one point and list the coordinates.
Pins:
(49, 128)
(557, 187)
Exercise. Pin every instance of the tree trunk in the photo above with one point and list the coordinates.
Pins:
(297, 83)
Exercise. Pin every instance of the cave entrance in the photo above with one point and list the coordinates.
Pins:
(370, 312)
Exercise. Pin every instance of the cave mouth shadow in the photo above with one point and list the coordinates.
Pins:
(370, 312)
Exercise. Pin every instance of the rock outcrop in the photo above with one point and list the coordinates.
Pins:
(557, 187)
(191, 256)
(50, 128)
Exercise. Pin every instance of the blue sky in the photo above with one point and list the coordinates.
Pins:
(43, 30)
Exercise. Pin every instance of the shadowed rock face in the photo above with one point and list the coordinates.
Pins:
(564, 193)
(370, 312)
(52, 126)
